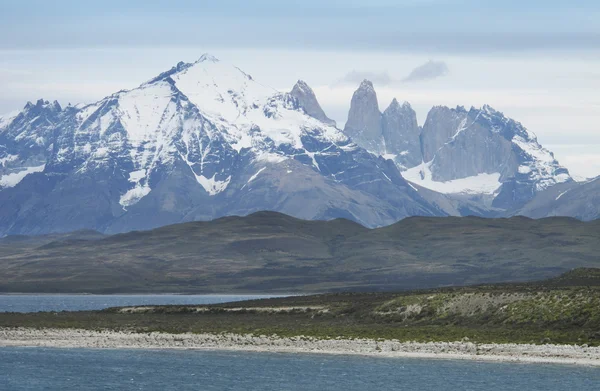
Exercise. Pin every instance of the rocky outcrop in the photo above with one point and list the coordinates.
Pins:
(401, 134)
(200, 141)
(482, 149)
(393, 134)
(364, 119)
(478, 152)
(308, 101)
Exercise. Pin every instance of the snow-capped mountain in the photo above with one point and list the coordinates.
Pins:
(204, 140)
(25, 140)
(199, 141)
(475, 153)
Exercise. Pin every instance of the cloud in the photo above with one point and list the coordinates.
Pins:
(428, 71)
(356, 77)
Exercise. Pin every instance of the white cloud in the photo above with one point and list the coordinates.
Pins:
(428, 71)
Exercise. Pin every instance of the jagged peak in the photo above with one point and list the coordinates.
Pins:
(395, 105)
(439, 108)
(488, 112)
(43, 104)
(366, 84)
(206, 61)
(308, 101)
(301, 85)
(181, 66)
(365, 91)
(489, 109)
(445, 109)
(207, 57)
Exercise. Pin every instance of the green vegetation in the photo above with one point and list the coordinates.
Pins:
(562, 310)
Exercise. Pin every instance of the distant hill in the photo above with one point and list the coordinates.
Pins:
(272, 252)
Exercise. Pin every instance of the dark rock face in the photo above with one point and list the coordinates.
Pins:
(364, 119)
(457, 144)
(200, 141)
(308, 101)
(393, 134)
(463, 144)
(401, 134)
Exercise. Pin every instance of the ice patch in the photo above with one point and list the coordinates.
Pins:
(478, 184)
(8, 159)
(134, 195)
(561, 194)
(411, 185)
(270, 157)
(137, 176)
(211, 185)
(253, 177)
(13, 179)
(524, 169)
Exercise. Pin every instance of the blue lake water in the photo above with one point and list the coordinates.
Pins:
(36, 303)
(84, 369)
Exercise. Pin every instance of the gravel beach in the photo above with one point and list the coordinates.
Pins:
(465, 350)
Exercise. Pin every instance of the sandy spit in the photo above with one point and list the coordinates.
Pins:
(72, 338)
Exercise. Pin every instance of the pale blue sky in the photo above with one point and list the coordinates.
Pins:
(538, 61)
(428, 25)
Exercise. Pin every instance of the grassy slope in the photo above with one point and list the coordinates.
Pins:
(562, 310)
(270, 252)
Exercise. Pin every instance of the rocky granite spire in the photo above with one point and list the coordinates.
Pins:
(199, 141)
(364, 119)
(486, 153)
(441, 125)
(401, 133)
(308, 101)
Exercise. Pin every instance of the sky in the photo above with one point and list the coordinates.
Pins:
(536, 61)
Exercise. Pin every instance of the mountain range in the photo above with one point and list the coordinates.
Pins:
(204, 140)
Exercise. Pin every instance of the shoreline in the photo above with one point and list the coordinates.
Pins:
(522, 353)
(265, 295)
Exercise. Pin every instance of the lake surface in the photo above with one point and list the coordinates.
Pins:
(36, 303)
(83, 369)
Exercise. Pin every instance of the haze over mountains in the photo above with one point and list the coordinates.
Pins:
(204, 140)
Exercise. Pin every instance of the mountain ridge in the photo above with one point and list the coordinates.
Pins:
(187, 145)
(204, 139)
(273, 252)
